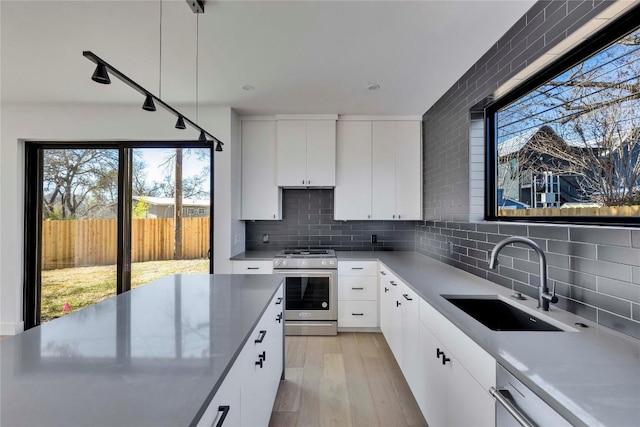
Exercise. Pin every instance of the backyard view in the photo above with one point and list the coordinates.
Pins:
(572, 145)
(170, 226)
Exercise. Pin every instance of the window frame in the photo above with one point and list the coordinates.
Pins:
(589, 47)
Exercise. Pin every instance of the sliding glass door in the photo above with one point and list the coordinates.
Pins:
(102, 218)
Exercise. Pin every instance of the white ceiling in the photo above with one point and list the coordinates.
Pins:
(300, 56)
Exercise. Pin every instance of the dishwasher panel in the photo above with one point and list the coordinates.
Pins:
(516, 405)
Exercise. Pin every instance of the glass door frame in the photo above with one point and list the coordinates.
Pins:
(33, 208)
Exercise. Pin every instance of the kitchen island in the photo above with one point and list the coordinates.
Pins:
(154, 356)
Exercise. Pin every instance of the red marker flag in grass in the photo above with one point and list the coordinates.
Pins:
(66, 307)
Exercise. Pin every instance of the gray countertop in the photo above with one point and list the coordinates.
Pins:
(153, 356)
(591, 376)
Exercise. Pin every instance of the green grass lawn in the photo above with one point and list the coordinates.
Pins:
(83, 286)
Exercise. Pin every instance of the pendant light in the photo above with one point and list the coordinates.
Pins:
(148, 104)
(180, 123)
(100, 75)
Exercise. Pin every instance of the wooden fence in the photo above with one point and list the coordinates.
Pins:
(77, 243)
(566, 212)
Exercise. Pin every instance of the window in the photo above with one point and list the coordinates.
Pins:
(566, 146)
(99, 220)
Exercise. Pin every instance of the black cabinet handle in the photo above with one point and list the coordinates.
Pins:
(253, 268)
(259, 363)
(445, 359)
(386, 289)
(279, 318)
(261, 336)
(357, 314)
(439, 353)
(357, 268)
(357, 289)
(383, 273)
(407, 297)
(224, 409)
(393, 283)
(279, 301)
(398, 304)
(263, 356)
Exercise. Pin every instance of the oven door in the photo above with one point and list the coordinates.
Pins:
(311, 295)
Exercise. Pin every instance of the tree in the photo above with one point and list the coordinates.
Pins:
(595, 109)
(78, 182)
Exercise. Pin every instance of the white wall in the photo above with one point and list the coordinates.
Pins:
(94, 122)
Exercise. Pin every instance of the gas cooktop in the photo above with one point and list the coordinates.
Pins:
(306, 258)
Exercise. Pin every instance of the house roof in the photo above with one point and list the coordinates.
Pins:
(169, 201)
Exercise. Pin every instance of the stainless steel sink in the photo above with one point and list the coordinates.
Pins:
(499, 315)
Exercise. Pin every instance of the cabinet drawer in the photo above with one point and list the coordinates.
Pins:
(356, 314)
(474, 358)
(357, 268)
(252, 267)
(352, 288)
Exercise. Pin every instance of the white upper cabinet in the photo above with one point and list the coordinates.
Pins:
(353, 171)
(379, 170)
(261, 197)
(306, 153)
(397, 170)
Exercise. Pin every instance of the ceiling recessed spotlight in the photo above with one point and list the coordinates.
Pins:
(247, 87)
(373, 86)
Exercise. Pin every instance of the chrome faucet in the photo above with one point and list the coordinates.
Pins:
(544, 297)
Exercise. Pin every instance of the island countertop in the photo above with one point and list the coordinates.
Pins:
(154, 356)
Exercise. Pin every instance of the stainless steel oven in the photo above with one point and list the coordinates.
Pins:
(311, 291)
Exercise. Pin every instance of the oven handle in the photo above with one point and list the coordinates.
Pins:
(510, 407)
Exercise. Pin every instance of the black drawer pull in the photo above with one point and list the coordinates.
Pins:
(445, 359)
(357, 289)
(253, 268)
(393, 283)
(225, 410)
(261, 336)
(263, 356)
(357, 314)
(439, 353)
(383, 273)
(357, 268)
(386, 289)
(259, 363)
(279, 318)
(398, 304)
(407, 297)
(279, 301)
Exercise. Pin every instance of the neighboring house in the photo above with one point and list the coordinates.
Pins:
(520, 167)
(163, 207)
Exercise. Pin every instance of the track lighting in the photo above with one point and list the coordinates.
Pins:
(180, 123)
(100, 75)
(148, 104)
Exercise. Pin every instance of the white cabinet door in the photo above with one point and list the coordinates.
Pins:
(261, 197)
(383, 170)
(226, 402)
(410, 337)
(464, 392)
(321, 153)
(386, 303)
(431, 375)
(408, 180)
(292, 153)
(352, 194)
(252, 267)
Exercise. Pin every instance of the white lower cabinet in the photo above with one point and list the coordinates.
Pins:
(357, 294)
(410, 313)
(248, 392)
(452, 392)
(390, 312)
(252, 267)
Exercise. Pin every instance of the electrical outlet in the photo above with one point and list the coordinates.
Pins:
(450, 251)
(374, 238)
(265, 238)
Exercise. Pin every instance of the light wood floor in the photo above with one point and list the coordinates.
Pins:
(348, 380)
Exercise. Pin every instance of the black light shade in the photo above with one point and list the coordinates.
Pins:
(148, 104)
(203, 137)
(180, 123)
(219, 146)
(100, 75)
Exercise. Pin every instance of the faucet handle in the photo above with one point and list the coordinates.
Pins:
(554, 298)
